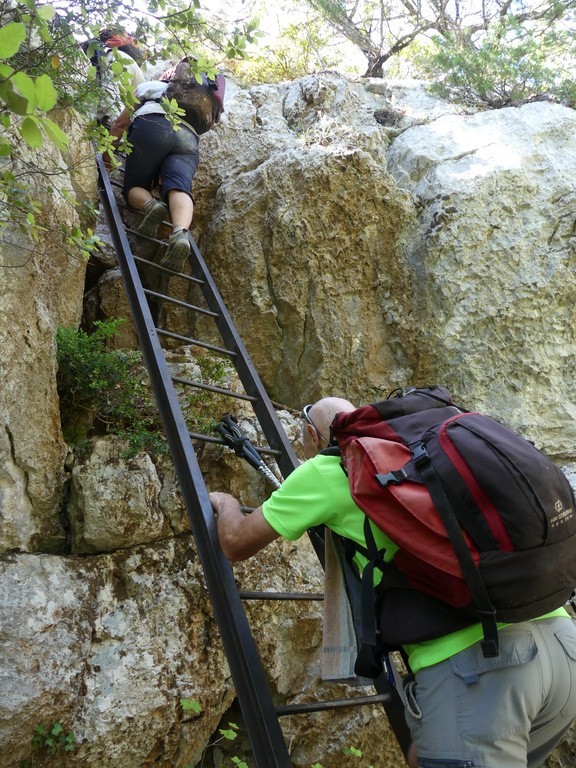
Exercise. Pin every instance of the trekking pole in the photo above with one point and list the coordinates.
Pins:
(237, 440)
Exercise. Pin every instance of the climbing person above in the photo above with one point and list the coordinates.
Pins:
(160, 154)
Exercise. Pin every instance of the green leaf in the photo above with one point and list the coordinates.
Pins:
(6, 70)
(25, 85)
(46, 12)
(11, 38)
(55, 133)
(45, 34)
(117, 67)
(31, 133)
(5, 149)
(45, 93)
(14, 101)
(191, 705)
(229, 733)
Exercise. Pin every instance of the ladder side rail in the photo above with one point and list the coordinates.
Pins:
(266, 737)
(287, 460)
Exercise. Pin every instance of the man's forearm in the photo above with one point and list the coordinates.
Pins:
(240, 535)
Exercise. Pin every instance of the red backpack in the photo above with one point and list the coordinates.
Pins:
(485, 523)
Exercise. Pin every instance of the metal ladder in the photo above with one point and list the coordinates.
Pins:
(260, 714)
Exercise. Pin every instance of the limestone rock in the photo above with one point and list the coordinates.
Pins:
(115, 501)
(108, 646)
(367, 257)
(493, 251)
(309, 231)
(42, 286)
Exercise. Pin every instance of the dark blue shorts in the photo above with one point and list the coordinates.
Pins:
(160, 155)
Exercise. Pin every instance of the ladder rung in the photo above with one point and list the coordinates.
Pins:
(321, 706)
(210, 388)
(180, 303)
(155, 264)
(281, 595)
(146, 237)
(197, 342)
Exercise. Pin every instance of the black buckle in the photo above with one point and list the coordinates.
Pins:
(420, 454)
(391, 478)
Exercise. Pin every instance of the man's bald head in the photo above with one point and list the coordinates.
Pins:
(322, 412)
(316, 435)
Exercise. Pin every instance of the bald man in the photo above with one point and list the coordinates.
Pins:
(462, 709)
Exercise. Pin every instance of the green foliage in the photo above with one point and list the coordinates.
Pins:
(25, 208)
(27, 88)
(300, 49)
(229, 733)
(349, 752)
(105, 144)
(40, 69)
(202, 409)
(173, 112)
(86, 241)
(105, 391)
(532, 42)
(49, 741)
(352, 751)
(191, 705)
(510, 64)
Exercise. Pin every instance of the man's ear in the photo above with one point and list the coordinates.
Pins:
(309, 440)
(316, 440)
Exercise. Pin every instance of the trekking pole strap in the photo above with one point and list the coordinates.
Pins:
(480, 597)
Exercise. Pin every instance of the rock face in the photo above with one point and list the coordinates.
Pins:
(42, 287)
(494, 250)
(364, 236)
(373, 256)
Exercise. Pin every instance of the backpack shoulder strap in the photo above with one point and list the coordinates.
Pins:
(480, 598)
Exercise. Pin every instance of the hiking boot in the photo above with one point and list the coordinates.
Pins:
(154, 214)
(178, 249)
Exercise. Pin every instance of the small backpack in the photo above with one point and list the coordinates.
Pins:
(485, 523)
(203, 103)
